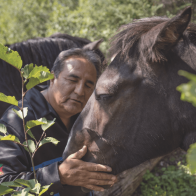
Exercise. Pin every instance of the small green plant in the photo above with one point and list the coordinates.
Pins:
(31, 76)
(171, 181)
(188, 93)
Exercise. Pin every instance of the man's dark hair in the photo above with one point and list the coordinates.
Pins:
(89, 55)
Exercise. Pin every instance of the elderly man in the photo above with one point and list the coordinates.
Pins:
(75, 75)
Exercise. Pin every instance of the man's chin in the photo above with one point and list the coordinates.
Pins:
(71, 109)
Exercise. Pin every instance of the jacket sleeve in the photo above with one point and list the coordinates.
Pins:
(16, 164)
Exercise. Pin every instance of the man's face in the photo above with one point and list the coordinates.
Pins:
(73, 87)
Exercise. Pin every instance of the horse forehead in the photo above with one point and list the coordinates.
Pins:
(111, 77)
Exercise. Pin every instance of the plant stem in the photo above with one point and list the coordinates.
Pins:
(37, 145)
(23, 94)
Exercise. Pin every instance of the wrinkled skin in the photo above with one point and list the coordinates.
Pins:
(135, 112)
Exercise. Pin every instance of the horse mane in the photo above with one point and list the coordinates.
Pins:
(129, 35)
(78, 40)
(43, 51)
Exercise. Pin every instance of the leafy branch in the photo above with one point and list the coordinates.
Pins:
(31, 76)
(188, 93)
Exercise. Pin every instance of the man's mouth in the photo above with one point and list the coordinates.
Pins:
(78, 101)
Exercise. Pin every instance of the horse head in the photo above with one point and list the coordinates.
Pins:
(135, 112)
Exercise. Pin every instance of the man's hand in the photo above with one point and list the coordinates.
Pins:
(76, 172)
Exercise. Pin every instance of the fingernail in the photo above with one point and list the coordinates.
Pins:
(109, 169)
(111, 182)
(102, 190)
(113, 178)
(82, 148)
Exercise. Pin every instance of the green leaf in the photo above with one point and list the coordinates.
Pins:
(23, 192)
(26, 70)
(31, 145)
(19, 112)
(48, 140)
(3, 128)
(11, 184)
(10, 56)
(36, 188)
(10, 138)
(187, 75)
(188, 92)
(35, 73)
(8, 99)
(48, 124)
(191, 158)
(5, 190)
(38, 75)
(44, 189)
(32, 123)
(31, 183)
(31, 134)
(23, 182)
(28, 183)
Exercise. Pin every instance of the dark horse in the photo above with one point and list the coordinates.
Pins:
(39, 51)
(135, 112)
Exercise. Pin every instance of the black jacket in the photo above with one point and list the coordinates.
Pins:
(16, 160)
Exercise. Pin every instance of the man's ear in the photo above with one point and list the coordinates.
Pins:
(189, 139)
(164, 36)
(51, 81)
(93, 45)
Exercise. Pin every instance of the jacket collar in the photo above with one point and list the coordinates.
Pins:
(39, 104)
(41, 107)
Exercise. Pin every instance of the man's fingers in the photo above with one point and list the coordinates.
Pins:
(94, 188)
(97, 167)
(79, 154)
(101, 182)
(102, 176)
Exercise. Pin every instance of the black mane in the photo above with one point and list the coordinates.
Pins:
(43, 51)
(130, 34)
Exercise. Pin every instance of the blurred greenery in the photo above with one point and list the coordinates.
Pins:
(169, 181)
(91, 19)
(188, 93)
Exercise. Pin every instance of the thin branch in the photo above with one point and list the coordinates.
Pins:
(34, 137)
(19, 108)
(25, 131)
(20, 144)
(37, 145)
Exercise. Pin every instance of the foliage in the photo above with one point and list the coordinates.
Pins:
(99, 19)
(93, 20)
(172, 181)
(171, 8)
(24, 19)
(191, 158)
(32, 75)
(188, 93)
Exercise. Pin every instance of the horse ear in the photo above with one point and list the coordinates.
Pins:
(189, 139)
(93, 45)
(170, 34)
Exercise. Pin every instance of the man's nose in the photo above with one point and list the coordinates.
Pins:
(79, 89)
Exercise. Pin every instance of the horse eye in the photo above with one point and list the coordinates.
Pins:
(103, 97)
